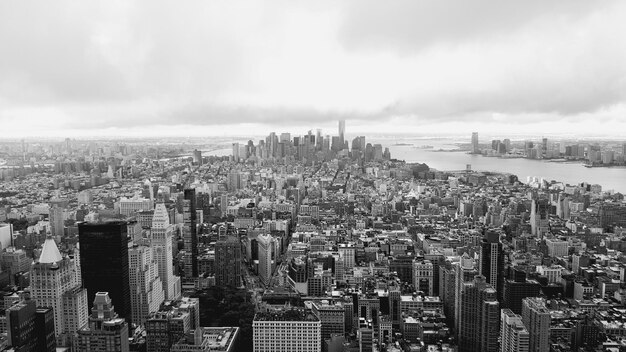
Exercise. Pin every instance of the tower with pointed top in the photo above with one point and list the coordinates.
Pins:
(161, 235)
(56, 283)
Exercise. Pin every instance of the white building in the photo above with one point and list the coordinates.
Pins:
(55, 282)
(513, 334)
(286, 331)
(161, 235)
(146, 288)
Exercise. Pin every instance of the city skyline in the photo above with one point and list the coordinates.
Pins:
(224, 68)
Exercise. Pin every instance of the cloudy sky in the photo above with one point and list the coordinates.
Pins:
(82, 68)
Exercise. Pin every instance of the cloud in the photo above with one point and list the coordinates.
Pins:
(95, 65)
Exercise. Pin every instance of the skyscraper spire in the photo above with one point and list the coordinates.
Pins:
(50, 252)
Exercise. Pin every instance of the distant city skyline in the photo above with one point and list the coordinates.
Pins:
(155, 68)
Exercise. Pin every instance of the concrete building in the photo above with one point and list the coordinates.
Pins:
(56, 283)
(106, 332)
(147, 292)
(161, 241)
(513, 333)
(536, 318)
(286, 331)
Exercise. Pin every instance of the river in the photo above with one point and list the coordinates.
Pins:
(610, 178)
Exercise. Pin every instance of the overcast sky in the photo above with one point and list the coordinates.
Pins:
(80, 68)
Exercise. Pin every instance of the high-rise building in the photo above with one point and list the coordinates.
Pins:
(146, 287)
(539, 217)
(536, 318)
(190, 236)
(513, 333)
(492, 260)
(266, 253)
(228, 262)
(480, 317)
(107, 331)
(464, 272)
(286, 331)
(342, 133)
(104, 262)
(57, 221)
(475, 147)
(30, 329)
(161, 241)
(56, 283)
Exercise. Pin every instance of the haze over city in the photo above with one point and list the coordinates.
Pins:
(117, 68)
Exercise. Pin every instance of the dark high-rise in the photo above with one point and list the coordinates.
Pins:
(190, 236)
(228, 262)
(104, 262)
(492, 260)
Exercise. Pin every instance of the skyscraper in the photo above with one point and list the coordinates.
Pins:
(190, 236)
(228, 262)
(536, 318)
(161, 234)
(107, 332)
(513, 333)
(56, 283)
(30, 329)
(266, 248)
(480, 317)
(342, 133)
(475, 148)
(146, 287)
(104, 262)
(492, 260)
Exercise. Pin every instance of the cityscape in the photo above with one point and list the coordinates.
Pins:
(304, 243)
(312, 176)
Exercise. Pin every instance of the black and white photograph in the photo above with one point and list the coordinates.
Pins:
(312, 176)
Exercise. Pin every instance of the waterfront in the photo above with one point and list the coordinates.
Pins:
(609, 177)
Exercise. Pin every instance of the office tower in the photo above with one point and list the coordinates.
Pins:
(539, 217)
(197, 157)
(480, 317)
(513, 334)
(475, 148)
(147, 292)
(173, 320)
(56, 283)
(464, 272)
(395, 311)
(342, 132)
(285, 331)
(266, 249)
(44, 329)
(228, 262)
(30, 329)
(423, 276)
(536, 318)
(162, 234)
(348, 254)
(234, 181)
(107, 331)
(190, 236)
(57, 221)
(236, 155)
(492, 260)
(104, 262)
